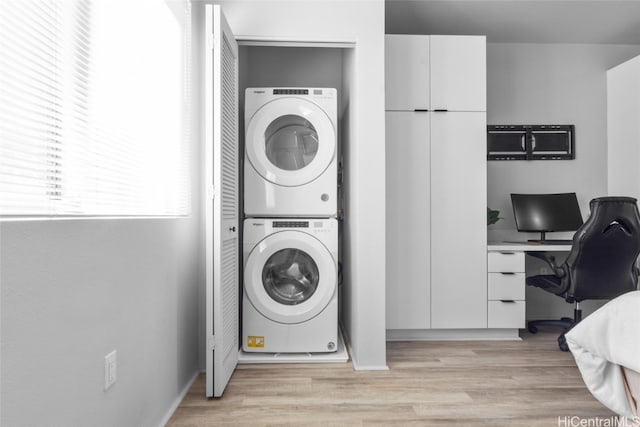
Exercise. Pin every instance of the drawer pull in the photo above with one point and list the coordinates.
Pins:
(509, 301)
(508, 273)
(507, 253)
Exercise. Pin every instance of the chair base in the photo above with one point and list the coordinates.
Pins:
(566, 323)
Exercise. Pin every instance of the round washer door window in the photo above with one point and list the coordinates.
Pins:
(290, 141)
(290, 277)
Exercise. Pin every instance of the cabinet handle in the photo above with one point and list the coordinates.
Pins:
(508, 273)
(507, 253)
(440, 110)
(509, 301)
(421, 110)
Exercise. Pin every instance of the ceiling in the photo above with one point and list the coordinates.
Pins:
(520, 21)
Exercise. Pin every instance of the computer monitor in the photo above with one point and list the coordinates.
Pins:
(546, 212)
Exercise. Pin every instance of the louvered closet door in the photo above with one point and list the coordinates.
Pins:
(221, 223)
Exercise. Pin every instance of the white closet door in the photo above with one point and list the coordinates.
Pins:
(458, 73)
(458, 220)
(407, 72)
(221, 199)
(408, 237)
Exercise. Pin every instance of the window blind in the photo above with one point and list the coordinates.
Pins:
(94, 107)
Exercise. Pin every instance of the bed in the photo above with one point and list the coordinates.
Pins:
(606, 347)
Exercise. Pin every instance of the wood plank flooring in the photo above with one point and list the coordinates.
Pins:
(473, 383)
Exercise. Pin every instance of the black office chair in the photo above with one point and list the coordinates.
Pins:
(601, 264)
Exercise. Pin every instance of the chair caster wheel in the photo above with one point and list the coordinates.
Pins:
(532, 329)
(562, 343)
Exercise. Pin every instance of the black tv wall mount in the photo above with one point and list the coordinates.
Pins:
(531, 142)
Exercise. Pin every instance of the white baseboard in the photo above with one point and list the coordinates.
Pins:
(452, 334)
(178, 400)
(360, 367)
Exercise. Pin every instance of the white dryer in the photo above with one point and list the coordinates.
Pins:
(290, 162)
(290, 298)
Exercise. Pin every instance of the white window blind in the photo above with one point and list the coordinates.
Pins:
(94, 107)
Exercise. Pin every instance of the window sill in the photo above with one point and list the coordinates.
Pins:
(19, 218)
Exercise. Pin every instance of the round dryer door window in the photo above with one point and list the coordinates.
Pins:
(290, 277)
(290, 141)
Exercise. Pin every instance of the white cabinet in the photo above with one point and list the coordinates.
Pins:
(505, 261)
(506, 290)
(623, 129)
(458, 73)
(406, 73)
(436, 270)
(408, 219)
(458, 220)
(505, 285)
(435, 73)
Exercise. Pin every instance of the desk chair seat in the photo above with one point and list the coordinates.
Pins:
(548, 282)
(601, 263)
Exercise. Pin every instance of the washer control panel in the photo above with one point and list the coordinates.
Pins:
(290, 224)
(312, 225)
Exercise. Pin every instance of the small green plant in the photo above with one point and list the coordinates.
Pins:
(493, 216)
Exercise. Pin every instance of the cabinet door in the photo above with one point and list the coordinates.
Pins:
(623, 129)
(406, 72)
(458, 73)
(458, 220)
(408, 236)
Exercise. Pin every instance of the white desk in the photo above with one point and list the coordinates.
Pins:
(527, 247)
(506, 281)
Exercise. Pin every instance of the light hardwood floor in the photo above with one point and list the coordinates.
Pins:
(488, 383)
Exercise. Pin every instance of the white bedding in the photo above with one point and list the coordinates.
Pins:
(604, 342)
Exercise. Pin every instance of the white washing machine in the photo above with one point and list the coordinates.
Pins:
(290, 298)
(290, 162)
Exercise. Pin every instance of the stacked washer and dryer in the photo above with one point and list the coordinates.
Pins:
(290, 243)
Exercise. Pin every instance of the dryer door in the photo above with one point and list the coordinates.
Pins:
(290, 141)
(290, 277)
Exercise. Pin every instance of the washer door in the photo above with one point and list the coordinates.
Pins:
(290, 277)
(290, 141)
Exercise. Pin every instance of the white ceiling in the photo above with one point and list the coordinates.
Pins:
(520, 21)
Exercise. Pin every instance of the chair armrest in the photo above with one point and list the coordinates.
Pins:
(550, 260)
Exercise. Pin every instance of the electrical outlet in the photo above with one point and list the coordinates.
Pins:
(109, 370)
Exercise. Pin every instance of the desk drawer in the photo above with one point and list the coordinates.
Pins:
(508, 286)
(506, 262)
(506, 314)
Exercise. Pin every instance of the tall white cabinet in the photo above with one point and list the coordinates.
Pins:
(436, 182)
(623, 129)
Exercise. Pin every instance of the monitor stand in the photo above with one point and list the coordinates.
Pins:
(543, 240)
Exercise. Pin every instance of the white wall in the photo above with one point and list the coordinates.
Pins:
(74, 290)
(361, 22)
(550, 84)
